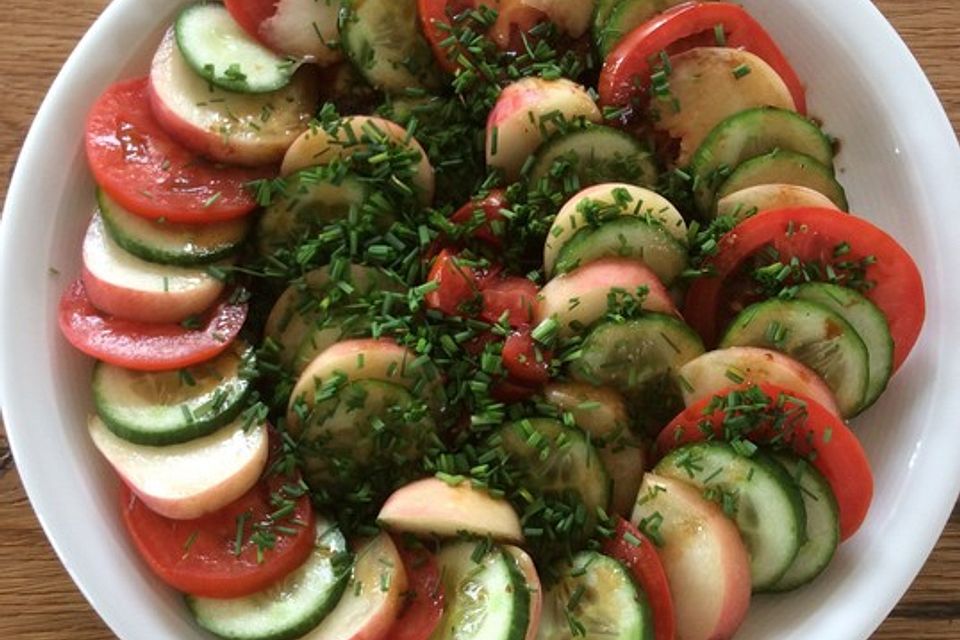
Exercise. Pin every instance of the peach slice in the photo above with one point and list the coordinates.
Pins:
(526, 113)
(632, 200)
(578, 299)
(318, 147)
(710, 84)
(186, 481)
(128, 287)
(705, 560)
(432, 507)
(245, 129)
(771, 197)
(372, 599)
(715, 371)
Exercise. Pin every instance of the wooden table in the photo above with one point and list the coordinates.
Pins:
(38, 600)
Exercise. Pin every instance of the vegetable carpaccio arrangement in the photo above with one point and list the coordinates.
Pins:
(495, 320)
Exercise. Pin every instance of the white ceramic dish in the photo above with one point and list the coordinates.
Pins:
(900, 162)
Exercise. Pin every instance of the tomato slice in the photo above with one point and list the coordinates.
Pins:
(492, 211)
(425, 598)
(457, 285)
(525, 362)
(513, 18)
(143, 346)
(797, 422)
(515, 296)
(200, 557)
(638, 554)
(141, 167)
(250, 14)
(627, 69)
(819, 237)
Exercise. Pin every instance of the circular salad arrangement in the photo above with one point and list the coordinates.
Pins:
(480, 319)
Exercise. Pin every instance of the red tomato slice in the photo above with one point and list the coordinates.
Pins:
(492, 207)
(250, 14)
(525, 362)
(143, 346)
(628, 68)
(636, 552)
(457, 285)
(199, 556)
(513, 18)
(508, 392)
(436, 16)
(425, 598)
(812, 236)
(141, 167)
(810, 430)
(517, 296)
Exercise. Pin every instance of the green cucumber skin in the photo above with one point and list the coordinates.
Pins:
(210, 75)
(743, 332)
(520, 618)
(342, 564)
(361, 50)
(640, 618)
(666, 256)
(877, 338)
(183, 432)
(635, 167)
(656, 397)
(776, 128)
(821, 497)
(770, 169)
(715, 452)
(623, 17)
(291, 217)
(590, 480)
(191, 256)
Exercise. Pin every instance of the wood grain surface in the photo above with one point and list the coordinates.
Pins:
(37, 599)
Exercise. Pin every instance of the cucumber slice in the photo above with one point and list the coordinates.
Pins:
(641, 359)
(749, 134)
(822, 536)
(312, 309)
(785, 167)
(595, 155)
(383, 39)
(596, 598)
(171, 407)
(221, 52)
(289, 608)
(814, 335)
(369, 431)
(870, 323)
(625, 16)
(183, 245)
(600, 16)
(487, 596)
(644, 239)
(559, 461)
(756, 492)
(592, 207)
(602, 413)
(312, 198)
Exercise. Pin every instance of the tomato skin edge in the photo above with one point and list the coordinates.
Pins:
(823, 439)
(629, 59)
(426, 603)
(647, 570)
(898, 290)
(107, 338)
